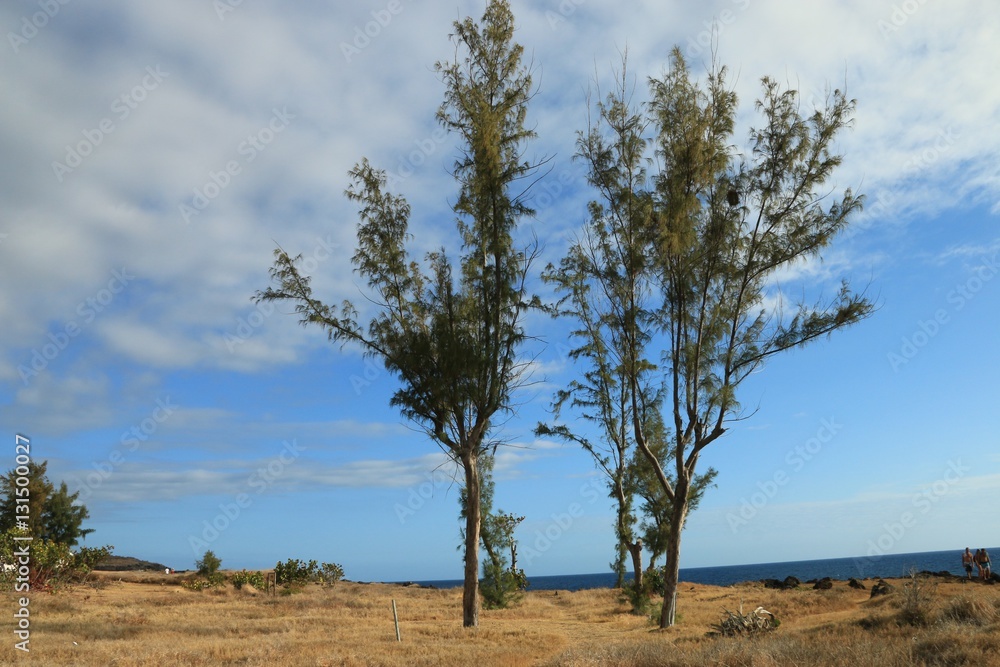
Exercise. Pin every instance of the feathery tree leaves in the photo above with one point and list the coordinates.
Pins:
(451, 333)
(679, 263)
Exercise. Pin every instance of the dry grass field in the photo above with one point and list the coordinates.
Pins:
(147, 620)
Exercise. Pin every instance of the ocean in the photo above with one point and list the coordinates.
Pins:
(861, 567)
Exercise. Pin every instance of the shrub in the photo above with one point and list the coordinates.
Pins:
(243, 577)
(969, 611)
(738, 624)
(915, 600)
(50, 564)
(330, 573)
(501, 586)
(208, 565)
(294, 571)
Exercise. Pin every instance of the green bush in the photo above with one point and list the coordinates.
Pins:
(295, 571)
(501, 586)
(208, 565)
(243, 577)
(50, 564)
(330, 573)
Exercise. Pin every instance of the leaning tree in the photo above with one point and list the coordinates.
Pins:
(687, 256)
(453, 341)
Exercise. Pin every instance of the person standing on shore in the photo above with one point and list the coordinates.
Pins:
(967, 559)
(983, 563)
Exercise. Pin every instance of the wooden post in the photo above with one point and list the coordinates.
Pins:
(395, 619)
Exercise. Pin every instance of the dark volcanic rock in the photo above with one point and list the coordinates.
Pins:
(788, 584)
(881, 588)
(824, 584)
(854, 583)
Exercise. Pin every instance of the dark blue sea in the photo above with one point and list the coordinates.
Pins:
(861, 567)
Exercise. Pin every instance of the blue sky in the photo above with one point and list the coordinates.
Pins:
(155, 154)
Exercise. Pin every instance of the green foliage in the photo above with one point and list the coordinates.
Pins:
(47, 514)
(330, 573)
(451, 331)
(49, 564)
(684, 260)
(209, 564)
(295, 571)
(501, 585)
(243, 577)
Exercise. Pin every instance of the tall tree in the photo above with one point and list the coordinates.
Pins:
(605, 284)
(453, 342)
(23, 505)
(64, 516)
(46, 513)
(706, 235)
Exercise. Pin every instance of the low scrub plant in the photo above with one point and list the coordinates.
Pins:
(245, 577)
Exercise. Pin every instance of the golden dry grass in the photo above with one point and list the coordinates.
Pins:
(142, 620)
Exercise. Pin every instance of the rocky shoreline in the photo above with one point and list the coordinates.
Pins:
(880, 587)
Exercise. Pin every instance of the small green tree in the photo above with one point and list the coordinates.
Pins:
(39, 508)
(208, 565)
(63, 516)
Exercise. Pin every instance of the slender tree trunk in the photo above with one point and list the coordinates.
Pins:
(671, 570)
(623, 535)
(636, 551)
(470, 591)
